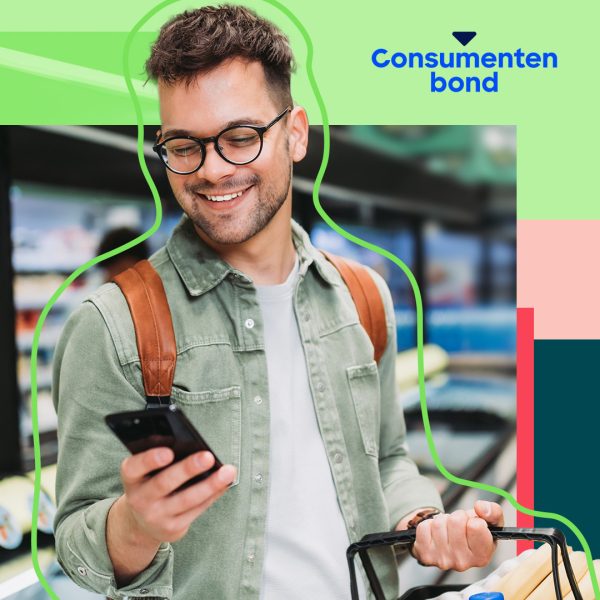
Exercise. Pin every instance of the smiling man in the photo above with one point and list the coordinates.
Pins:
(237, 190)
(273, 368)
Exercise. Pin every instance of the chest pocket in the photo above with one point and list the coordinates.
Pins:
(217, 415)
(364, 388)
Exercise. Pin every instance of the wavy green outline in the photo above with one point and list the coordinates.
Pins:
(352, 238)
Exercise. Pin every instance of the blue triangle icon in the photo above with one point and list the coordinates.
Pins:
(464, 37)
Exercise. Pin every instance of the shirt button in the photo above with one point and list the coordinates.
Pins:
(321, 387)
(82, 571)
(338, 458)
(249, 323)
(250, 557)
(258, 399)
(307, 316)
(258, 478)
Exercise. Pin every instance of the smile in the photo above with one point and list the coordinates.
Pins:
(225, 197)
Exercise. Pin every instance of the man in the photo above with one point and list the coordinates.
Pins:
(273, 368)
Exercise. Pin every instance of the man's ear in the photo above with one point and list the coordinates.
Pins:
(298, 133)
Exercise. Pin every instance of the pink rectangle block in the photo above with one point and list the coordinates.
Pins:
(557, 275)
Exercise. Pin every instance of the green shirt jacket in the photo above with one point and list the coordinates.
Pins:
(221, 384)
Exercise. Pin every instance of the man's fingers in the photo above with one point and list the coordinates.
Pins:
(490, 512)
(179, 524)
(135, 468)
(173, 527)
(480, 541)
(167, 481)
(191, 515)
(458, 541)
(439, 536)
(439, 530)
(200, 492)
(423, 543)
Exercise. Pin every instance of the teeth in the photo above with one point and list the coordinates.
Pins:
(225, 197)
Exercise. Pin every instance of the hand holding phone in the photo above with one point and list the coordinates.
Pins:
(161, 426)
(170, 480)
(149, 513)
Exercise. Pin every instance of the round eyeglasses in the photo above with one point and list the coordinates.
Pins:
(238, 145)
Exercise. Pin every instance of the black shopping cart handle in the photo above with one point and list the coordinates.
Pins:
(554, 537)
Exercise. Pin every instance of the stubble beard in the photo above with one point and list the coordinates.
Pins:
(226, 228)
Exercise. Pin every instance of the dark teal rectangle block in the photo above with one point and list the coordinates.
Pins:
(567, 437)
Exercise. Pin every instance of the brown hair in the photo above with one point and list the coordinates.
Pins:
(199, 40)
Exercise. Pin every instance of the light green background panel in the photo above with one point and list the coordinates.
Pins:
(555, 109)
(73, 78)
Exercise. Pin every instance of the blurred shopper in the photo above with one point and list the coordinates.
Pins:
(115, 238)
(273, 366)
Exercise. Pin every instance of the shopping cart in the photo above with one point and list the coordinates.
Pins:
(554, 537)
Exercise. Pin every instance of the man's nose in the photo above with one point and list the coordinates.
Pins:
(215, 168)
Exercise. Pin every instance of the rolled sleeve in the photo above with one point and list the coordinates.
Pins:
(88, 383)
(405, 489)
(84, 558)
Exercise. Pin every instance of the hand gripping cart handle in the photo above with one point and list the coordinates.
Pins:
(554, 537)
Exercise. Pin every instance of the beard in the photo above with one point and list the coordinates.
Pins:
(229, 228)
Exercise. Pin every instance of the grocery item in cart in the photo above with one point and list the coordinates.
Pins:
(585, 584)
(518, 578)
(546, 588)
(519, 583)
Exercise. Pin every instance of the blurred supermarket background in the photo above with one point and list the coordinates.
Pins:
(442, 198)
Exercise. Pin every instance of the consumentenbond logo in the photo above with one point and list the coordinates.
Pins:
(442, 65)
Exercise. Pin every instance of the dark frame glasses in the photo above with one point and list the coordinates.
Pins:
(260, 130)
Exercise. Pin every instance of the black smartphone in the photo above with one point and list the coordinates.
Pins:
(161, 426)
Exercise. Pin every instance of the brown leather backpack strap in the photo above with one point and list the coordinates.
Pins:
(366, 296)
(145, 294)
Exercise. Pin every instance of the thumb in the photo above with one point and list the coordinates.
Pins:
(491, 512)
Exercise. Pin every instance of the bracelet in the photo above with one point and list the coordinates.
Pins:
(421, 516)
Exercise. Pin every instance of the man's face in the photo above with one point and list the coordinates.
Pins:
(233, 93)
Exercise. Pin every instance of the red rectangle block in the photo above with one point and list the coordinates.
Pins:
(525, 420)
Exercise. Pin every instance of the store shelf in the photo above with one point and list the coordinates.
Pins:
(48, 338)
(38, 303)
(44, 379)
(47, 420)
(37, 298)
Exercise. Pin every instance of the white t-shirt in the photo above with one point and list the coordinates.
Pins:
(306, 539)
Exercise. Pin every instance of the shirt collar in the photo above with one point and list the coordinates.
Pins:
(201, 268)
(309, 255)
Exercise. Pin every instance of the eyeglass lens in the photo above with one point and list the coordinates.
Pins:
(237, 145)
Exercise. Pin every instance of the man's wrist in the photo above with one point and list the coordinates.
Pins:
(130, 549)
(129, 524)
